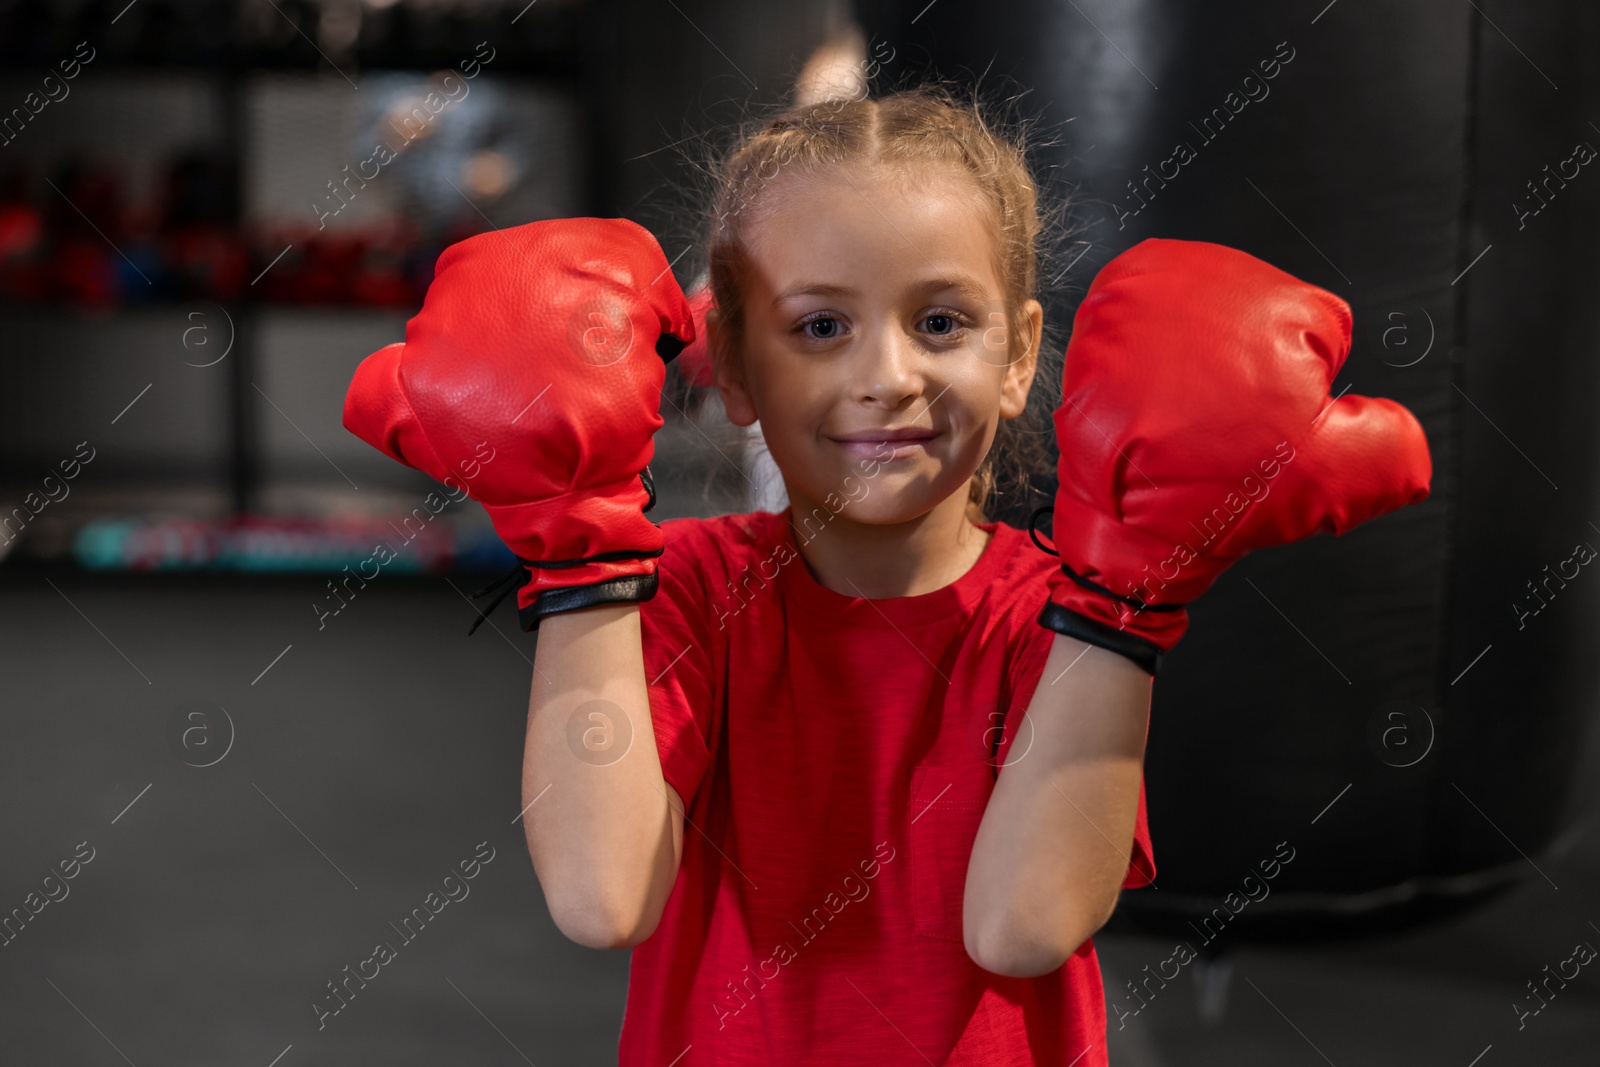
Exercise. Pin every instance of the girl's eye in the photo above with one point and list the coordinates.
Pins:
(944, 323)
(822, 328)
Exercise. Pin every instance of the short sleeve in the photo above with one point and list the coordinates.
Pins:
(1026, 671)
(677, 647)
(1142, 868)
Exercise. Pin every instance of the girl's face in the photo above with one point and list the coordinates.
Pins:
(875, 349)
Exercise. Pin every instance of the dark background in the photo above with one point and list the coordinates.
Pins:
(1369, 698)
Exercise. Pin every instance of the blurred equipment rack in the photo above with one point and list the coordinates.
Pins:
(221, 256)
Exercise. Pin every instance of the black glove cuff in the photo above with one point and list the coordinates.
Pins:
(1147, 654)
(633, 587)
(669, 346)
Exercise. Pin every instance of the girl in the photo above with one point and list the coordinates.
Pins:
(858, 780)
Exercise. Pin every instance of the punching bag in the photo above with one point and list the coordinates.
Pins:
(1381, 728)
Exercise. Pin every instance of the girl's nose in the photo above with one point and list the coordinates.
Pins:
(887, 367)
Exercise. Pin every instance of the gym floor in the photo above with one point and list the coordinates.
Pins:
(352, 768)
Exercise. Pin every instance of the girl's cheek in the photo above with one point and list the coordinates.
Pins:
(994, 340)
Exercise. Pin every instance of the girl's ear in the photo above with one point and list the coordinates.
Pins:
(727, 372)
(1020, 371)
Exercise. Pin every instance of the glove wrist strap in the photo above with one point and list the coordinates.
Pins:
(1147, 654)
(632, 587)
(1062, 620)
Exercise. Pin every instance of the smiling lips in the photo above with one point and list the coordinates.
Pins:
(887, 444)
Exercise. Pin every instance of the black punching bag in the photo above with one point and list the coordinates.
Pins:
(1399, 710)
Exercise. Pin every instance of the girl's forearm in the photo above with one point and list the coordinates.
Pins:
(1054, 844)
(603, 828)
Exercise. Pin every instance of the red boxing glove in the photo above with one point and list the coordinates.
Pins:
(695, 361)
(1196, 426)
(533, 374)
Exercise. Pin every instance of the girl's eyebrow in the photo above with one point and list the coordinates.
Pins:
(962, 283)
(814, 289)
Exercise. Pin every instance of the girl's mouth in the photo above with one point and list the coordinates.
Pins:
(887, 448)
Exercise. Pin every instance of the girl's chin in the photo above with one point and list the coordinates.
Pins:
(886, 501)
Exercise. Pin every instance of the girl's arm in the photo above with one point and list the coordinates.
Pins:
(1210, 366)
(605, 833)
(1054, 844)
(509, 330)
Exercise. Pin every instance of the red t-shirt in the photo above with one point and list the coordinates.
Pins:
(835, 755)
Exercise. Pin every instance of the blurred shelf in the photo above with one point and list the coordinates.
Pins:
(340, 40)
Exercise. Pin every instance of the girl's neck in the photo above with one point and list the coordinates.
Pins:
(881, 561)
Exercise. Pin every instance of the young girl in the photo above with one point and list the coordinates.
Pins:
(858, 780)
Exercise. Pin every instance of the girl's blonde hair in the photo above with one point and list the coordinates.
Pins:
(908, 129)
